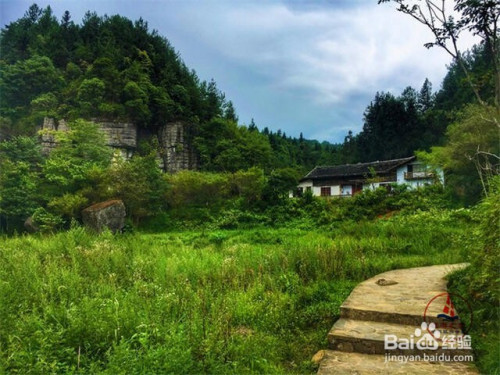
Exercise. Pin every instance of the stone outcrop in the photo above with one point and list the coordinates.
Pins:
(120, 135)
(176, 149)
(109, 214)
(48, 128)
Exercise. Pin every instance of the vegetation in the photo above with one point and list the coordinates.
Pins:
(480, 282)
(113, 68)
(217, 270)
(222, 301)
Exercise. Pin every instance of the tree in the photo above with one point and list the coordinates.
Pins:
(230, 112)
(250, 184)
(79, 150)
(90, 95)
(140, 183)
(20, 83)
(252, 127)
(480, 17)
(425, 97)
(20, 159)
(472, 150)
(280, 182)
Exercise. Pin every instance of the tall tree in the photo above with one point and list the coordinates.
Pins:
(425, 97)
(480, 17)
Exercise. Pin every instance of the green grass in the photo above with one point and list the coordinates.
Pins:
(228, 301)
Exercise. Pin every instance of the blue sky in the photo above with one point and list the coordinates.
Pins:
(300, 66)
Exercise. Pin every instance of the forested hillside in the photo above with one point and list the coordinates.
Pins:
(110, 68)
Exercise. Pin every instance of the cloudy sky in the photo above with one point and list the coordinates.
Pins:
(300, 66)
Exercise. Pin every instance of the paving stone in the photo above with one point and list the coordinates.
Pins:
(392, 303)
(368, 337)
(402, 303)
(341, 363)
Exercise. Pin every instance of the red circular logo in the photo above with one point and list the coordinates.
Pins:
(440, 310)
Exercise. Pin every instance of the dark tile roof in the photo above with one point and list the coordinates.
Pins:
(356, 170)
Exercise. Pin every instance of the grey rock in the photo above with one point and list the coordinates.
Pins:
(175, 152)
(109, 214)
(121, 135)
(30, 225)
(384, 282)
(175, 148)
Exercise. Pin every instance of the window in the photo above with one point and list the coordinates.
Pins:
(326, 191)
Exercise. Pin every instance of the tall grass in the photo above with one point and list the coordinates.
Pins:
(242, 301)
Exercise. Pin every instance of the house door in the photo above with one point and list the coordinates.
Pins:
(357, 189)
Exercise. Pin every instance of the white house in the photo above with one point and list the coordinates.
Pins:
(348, 179)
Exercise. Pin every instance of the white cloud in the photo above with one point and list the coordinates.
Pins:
(327, 52)
(288, 63)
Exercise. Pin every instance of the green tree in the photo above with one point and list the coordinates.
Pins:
(20, 159)
(25, 80)
(471, 152)
(250, 184)
(90, 95)
(230, 112)
(79, 150)
(136, 102)
(140, 183)
(279, 183)
(425, 97)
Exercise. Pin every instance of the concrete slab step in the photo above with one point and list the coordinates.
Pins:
(342, 363)
(399, 296)
(360, 336)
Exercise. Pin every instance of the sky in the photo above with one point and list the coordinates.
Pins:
(301, 66)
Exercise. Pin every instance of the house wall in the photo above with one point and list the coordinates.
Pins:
(348, 187)
(316, 188)
(416, 183)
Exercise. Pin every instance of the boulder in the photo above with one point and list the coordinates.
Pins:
(30, 225)
(109, 214)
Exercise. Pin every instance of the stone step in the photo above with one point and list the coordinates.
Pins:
(400, 296)
(359, 336)
(342, 363)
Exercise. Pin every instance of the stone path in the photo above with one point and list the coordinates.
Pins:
(392, 303)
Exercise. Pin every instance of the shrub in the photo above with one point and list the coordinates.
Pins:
(197, 188)
(47, 221)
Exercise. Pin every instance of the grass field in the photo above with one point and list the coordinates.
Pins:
(237, 301)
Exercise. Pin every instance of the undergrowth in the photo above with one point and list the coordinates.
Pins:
(210, 301)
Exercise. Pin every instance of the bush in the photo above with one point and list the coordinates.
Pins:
(197, 188)
(47, 221)
(480, 283)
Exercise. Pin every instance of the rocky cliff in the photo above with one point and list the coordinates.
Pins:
(175, 148)
(175, 152)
